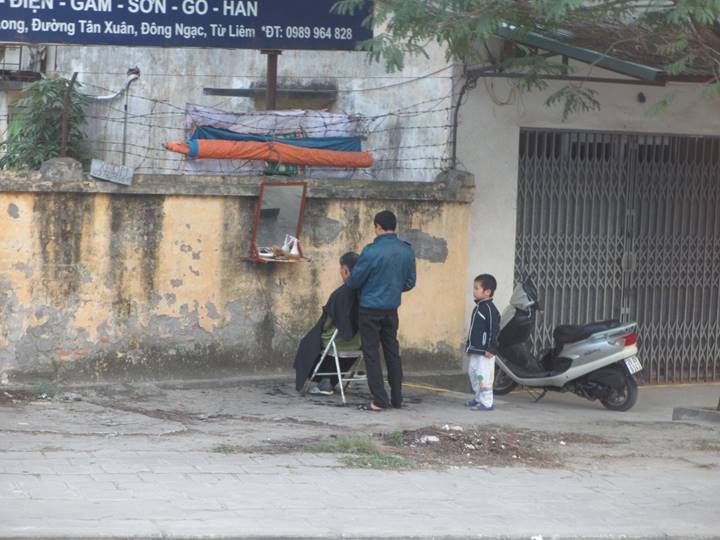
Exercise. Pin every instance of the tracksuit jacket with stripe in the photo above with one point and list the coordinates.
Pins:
(484, 328)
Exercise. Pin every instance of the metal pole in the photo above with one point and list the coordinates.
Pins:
(572, 78)
(271, 90)
(134, 76)
(125, 119)
(65, 114)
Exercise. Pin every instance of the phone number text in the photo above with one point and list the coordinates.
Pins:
(307, 32)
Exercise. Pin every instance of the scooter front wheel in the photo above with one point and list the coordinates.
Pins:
(624, 397)
(502, 384)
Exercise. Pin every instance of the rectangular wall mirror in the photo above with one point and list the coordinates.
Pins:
(278, 222)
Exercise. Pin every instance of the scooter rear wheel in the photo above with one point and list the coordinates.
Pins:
(502, 384)
(622, 398)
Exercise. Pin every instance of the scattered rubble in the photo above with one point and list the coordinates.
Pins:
(12, 396)
(476, 446)
(9, 397)
(428, 439)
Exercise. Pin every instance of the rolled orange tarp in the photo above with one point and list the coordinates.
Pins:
(270, 151)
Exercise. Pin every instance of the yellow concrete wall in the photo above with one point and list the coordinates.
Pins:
(99, 286)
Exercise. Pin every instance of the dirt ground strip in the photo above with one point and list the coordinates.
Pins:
(492, 446)
(452, 446)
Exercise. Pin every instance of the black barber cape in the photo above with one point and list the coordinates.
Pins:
(342, 308)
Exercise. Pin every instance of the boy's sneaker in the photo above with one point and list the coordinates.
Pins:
(471, 403)
(481, 407)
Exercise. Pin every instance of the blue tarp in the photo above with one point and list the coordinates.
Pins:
(342, 144)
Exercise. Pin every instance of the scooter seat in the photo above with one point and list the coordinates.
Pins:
(569, 333)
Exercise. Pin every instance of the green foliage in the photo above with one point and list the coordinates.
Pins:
(379, 461)
(662, 105)
(680, 65)
(574, 99)
(345, 445)
(363, 452)
(34, 134)
(674, 47)
(678, 30)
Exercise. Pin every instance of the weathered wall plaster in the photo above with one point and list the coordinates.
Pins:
(151, 281)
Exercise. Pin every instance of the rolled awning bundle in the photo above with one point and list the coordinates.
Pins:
(216, 143)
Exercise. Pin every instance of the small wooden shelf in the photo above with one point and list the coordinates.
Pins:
(269, 260)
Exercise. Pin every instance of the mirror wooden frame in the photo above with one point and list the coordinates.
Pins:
(254, 253)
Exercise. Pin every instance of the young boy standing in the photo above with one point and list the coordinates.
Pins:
(481, 344)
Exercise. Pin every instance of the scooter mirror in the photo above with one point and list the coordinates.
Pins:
(532, 292)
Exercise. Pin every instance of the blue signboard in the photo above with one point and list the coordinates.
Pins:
(232, 24)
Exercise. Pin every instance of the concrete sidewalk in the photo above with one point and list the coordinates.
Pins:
(139, 461)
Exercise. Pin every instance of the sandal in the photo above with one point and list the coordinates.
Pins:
(370, 406)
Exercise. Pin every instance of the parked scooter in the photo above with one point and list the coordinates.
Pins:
(595, 361)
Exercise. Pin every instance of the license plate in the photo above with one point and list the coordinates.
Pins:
(633, 364)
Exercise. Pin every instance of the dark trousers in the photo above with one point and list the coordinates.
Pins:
(379, 327)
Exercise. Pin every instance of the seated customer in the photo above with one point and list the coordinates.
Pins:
(341, 312)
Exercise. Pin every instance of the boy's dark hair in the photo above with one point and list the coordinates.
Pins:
(386, 219)
(487, 281)
(349, 259)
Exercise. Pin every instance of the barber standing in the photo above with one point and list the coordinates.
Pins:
(385, 270)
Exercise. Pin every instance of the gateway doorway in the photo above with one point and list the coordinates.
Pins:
(626, 226)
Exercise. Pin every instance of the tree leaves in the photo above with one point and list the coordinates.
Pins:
(662, 104)
(680, 34)
(34, 132)
(574, 99)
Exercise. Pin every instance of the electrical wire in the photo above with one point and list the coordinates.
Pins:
(411, 137)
